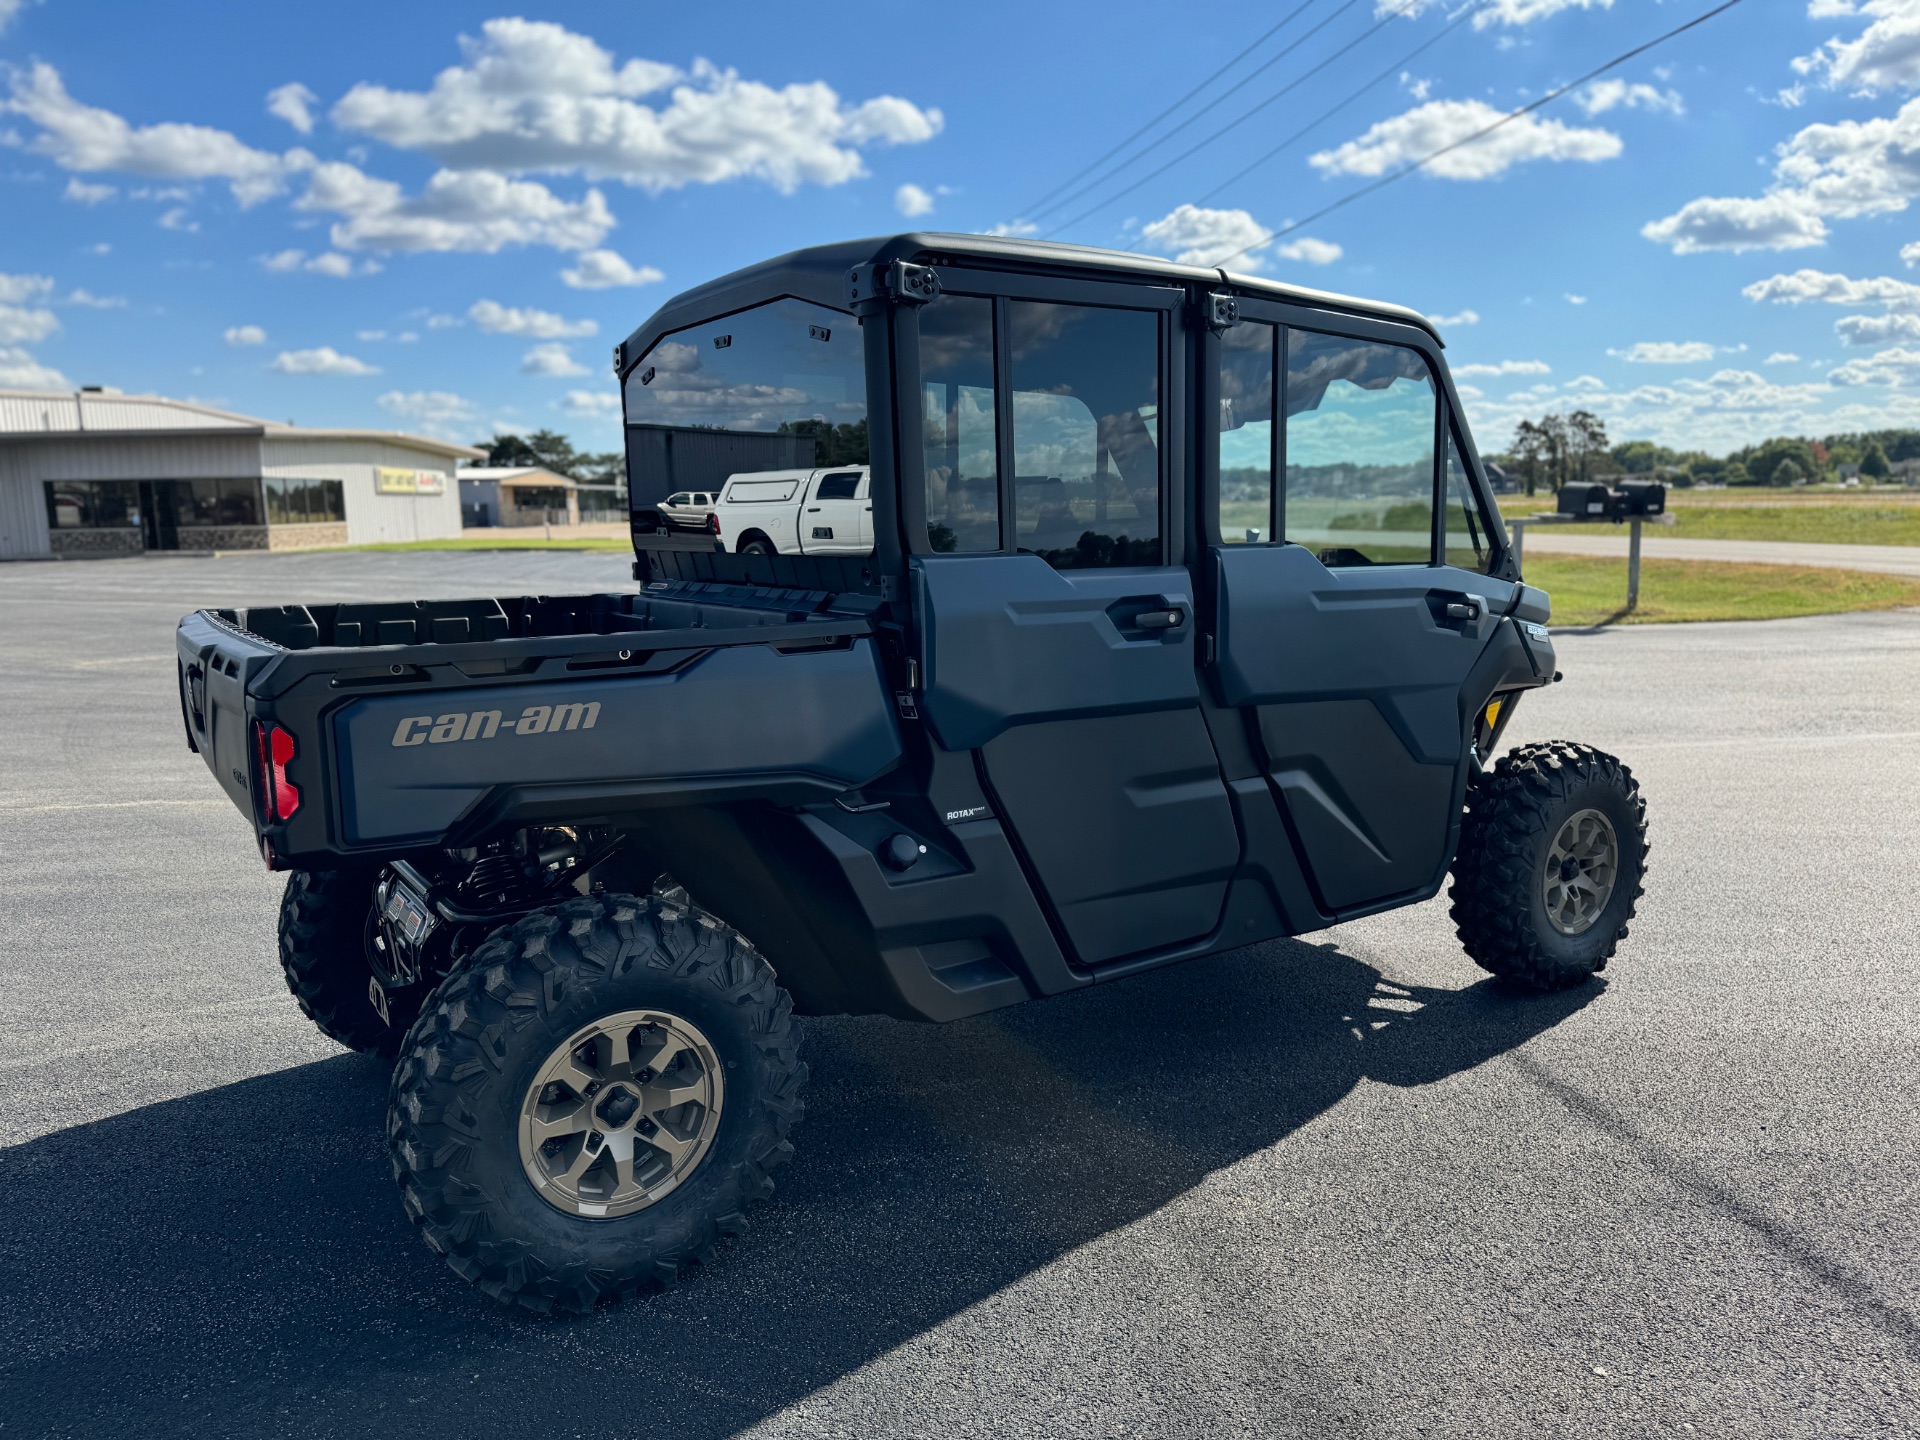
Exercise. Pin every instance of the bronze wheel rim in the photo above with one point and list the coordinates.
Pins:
(621, 1113)
(1582, 866)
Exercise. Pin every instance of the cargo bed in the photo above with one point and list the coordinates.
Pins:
(434, 723)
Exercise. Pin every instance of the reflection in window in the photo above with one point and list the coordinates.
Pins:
(1246, 434)
(216, 502)
(1360, 429)
(93, 504)
(1469, 533)
(780, 386)
(957, 424)
(1086, 434)
(305, 502)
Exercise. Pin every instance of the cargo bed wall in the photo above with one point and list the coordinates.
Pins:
(736, 721)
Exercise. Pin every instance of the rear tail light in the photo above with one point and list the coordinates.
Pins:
(273, 748)
(713, 522)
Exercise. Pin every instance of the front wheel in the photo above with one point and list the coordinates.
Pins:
(593, 1099)
(758, 545)
(1553, 851)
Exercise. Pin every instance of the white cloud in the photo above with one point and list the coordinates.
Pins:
(1895, 368)
(498, 319)
(330, 263)
(86, 138)
(245, 335)
(1773, 222)
(1418, 132)
(20, 371)
(550, 359)
(534, 97)
(1194, 236)
(1573, 299)
(82, 193)
(1782, 357)
(1604, 95)
(26, 327)
(444, 322)
(605, 269)
(100, 247)
(9, 9)
(1826, 171)
(369, 336)
(1665, 352)
(1808, 286)
(438, 412)
(1309, 251)
(1525, 12)
(1510, 13)
(1505, 367)
(1015, 228)
(592, 404)
(910, 200)
(1862, 330)
(177, 219)
(23, 289)
(1465, 317)
(294, 104)
(322, 361)
(458, 210)
(1885, 56)
(92, 301)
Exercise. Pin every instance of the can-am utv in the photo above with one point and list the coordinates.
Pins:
(1181, 618)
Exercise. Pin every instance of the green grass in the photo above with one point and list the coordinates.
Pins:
(1591, 591)
(610, 544)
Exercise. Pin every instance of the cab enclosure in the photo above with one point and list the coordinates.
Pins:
(1180, 619)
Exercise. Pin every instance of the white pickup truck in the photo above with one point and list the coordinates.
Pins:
(796, 512)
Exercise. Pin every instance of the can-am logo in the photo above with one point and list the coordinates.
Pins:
(485, 724)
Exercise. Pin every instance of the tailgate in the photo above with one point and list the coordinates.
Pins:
(216, 662)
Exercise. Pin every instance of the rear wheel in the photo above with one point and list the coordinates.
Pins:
(325, 926)
(593, 1099)
(1552, 853)
(757, 545)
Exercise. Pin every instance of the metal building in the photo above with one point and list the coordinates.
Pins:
(95, 472)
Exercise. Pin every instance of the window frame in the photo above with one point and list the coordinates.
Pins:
(1448, 420)
(1002, 288)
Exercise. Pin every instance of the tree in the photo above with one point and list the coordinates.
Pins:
(1529, 446)
(1587, 439)
(509, 450)
(1873, 462)
(1559, 445)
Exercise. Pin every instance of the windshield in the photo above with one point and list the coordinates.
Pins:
(781, 386)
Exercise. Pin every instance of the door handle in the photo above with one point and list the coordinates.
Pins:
(813, 509)
(1468, 609)
(1171, 618)
(1154, 614)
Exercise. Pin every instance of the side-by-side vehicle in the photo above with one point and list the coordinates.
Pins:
(1182, 619)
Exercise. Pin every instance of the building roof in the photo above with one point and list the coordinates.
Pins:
(524, 477)
(64, 414)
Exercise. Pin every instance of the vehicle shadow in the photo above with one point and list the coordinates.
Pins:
(236, 1261)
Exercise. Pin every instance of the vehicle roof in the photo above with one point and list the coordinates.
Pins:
(820, 272)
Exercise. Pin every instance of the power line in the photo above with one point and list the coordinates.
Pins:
(1212, 104)
(1506, 119)
(1096, 164)
(1195, 149)
(1332, 110)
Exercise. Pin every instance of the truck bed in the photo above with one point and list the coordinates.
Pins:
(433, 723)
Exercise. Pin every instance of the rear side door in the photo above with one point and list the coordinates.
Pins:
(1041, 467)
(831, 517)
(1349, 548)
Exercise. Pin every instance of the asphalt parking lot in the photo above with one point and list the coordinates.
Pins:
(1339, 1186)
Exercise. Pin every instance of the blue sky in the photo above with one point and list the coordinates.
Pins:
(439, 217)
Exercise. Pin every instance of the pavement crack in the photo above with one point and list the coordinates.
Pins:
(1778, 1237)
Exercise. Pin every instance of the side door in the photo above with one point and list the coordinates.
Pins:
(830, 520)
(1042, 460)
(1350, 601)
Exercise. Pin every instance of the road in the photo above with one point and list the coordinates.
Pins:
(1340, 1186)
(1656, 545)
